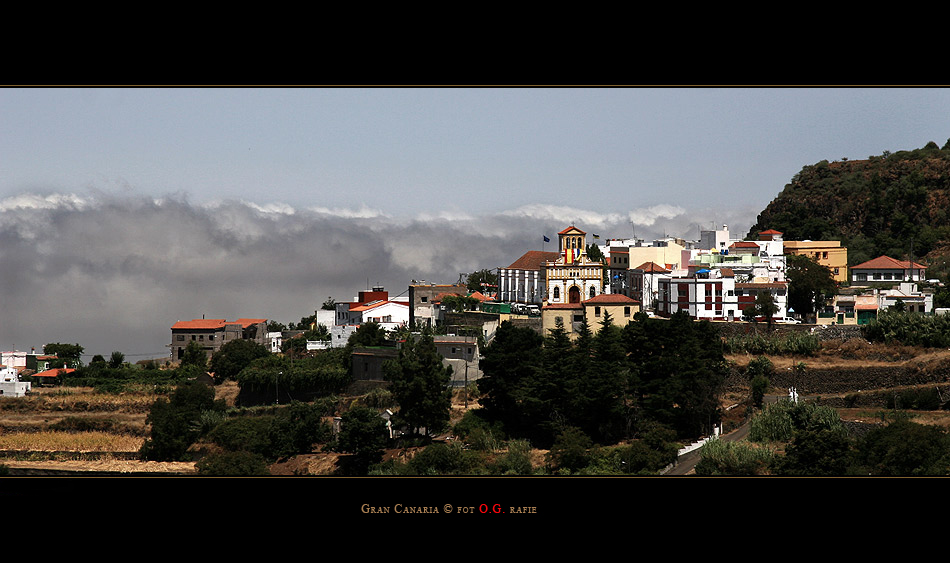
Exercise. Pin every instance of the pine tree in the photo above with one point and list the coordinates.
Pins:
(420, 384)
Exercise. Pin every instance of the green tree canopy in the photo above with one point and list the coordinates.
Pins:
(482, 280)
(234, 356)
(809, 284)
(420, 384)
(175, 423)
(363, 434)
(71, 354)
(194, 355)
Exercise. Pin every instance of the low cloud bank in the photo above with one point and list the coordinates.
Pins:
(114, 273)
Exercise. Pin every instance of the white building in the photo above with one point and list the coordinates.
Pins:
(523, 280)
(10, 384)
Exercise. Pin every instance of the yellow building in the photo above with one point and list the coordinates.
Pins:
(620, 308)
(828, 253)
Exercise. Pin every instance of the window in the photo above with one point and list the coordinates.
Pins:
(596, 311)
(593, 292)
(210, 337)
(626, 311)
(180, 337)
(425, 299)
(557, 292)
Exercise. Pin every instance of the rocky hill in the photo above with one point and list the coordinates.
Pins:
(895, 204)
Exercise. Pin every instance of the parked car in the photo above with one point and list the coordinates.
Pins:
(788, 321)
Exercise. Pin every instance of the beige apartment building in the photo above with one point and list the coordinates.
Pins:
(828, 253)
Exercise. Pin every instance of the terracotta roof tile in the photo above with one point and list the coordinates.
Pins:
(213, 324)
(563, 306)
(886, 263)
(533, 259)
(652, 268)
(610, 298)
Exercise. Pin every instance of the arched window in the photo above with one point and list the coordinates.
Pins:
(557, 293)
(593, 291)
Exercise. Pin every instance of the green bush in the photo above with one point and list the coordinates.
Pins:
(446, 459)
(778, 422)
(786, 343)
(721, 458)
(927, 399)
(237, 463)
(175, 421)
(571, 450)
(516, 461)
(909, 329)
(245, 433)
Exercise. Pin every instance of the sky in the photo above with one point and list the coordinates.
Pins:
(124, 210)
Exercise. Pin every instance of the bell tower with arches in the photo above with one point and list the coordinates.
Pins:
(573, 277)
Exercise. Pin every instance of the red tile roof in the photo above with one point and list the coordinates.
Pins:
(652, 268)
(533, 259)
(770, 232)
(53, 372)
(213, 324)
(610, 299)
(887, 263)
(199, 324)
(563, 306)
(744, 244)
(375, 304)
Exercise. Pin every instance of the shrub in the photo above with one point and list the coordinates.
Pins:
(245, 433)
(516, 461)
(238, 463)
(175, 422)
(719, 457)
(791, 343)
(570, 450)
(446, 459)
(778, 422)
(927, 399)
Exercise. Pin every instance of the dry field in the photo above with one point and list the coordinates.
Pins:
(77, 429)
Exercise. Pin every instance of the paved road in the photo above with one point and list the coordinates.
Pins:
(686, 462)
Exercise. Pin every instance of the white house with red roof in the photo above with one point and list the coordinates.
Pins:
(643, 283)
(887, 269)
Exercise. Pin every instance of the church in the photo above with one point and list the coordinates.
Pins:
(563, 276)
(573, 277)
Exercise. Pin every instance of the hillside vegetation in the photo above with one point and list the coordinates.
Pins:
(896, 204)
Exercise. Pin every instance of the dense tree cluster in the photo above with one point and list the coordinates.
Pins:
(610, 385)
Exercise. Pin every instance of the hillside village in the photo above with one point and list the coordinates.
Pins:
(584, 283)
(716, 278)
